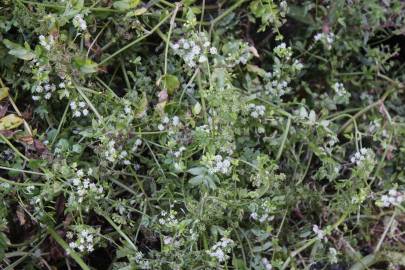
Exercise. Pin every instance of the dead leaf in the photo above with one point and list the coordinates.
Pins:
(10, 121)
(163, 96)
(40, 147)
(253, 50)
(3, 110)
(3, 93)
(21, 216)
(26, 139)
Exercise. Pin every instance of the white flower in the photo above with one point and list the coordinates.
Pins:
(266, 264)
(161, 127)
(213, 50)
(73, 105)
(393, 198)
(77, 114)
(127, 110)
(320, 234)
(85, 112)
(176, 121)
(361, 156)
(79, 22)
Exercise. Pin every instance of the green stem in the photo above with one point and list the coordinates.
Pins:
(129, 45)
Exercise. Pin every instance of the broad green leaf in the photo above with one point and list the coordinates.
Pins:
(170, 82)
(197, 171)
(19, 51)
(10, 121)
(197, 180)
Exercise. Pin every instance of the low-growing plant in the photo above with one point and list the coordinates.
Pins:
(241, 134)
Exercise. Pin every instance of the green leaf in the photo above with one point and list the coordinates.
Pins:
(197, 171)
(86, 66)
(125, 4)
(197, 108)
(170, 82)
(141, 107)
(19, 51)
(197, 180)
(4, 242)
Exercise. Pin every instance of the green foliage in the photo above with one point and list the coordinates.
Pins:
(237, 134)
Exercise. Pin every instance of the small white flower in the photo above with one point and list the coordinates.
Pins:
(161, 127)
(127, 110)
(213, 50)
(176, 121)
(73, 105)
(79, 22)
(320, 234)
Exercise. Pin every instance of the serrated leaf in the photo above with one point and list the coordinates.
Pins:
(19, 51)
(10, 121)
(141, 107)
(3, 93)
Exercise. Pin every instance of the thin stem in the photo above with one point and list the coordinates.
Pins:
(129, 45)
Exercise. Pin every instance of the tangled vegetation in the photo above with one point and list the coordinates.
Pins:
(202, 134)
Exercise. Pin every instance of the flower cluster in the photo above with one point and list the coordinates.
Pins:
(220, 250)
(83, 187)
(43, 91)
(194, 50)
(236, 52)
(220, 165)
(79, 108)
(361, 156)
(82, 241)
(46, 42)
(342, 95)
(79, 23)
(256, 111)
(263, 212)
(282, 51)
(175, 121)
(277, 82)
(326, 38)
(168, 219)
(393, 197)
